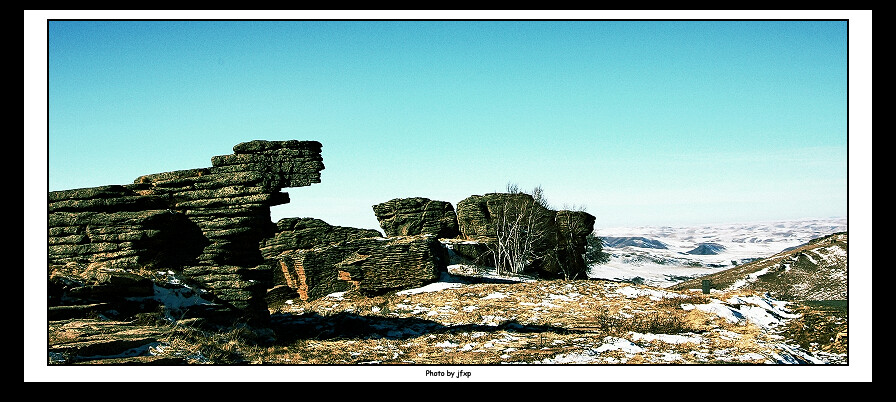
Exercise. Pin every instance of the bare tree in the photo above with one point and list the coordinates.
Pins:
(521, 225)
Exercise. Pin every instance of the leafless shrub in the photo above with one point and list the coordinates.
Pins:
(521, 225)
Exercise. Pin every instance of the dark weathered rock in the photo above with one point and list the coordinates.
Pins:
(213, 218)
(114, 285)
(573, 228)
(370, 265)
(399, 263)
(280, 295)
(556, 238)
(67, 312)
(478, 216)
(308, 233)
(96, 340)
(417, 216)
(80, 292)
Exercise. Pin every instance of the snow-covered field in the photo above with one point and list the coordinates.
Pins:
(741, 242)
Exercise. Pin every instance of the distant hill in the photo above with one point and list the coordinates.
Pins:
(814, 271)
(641, 242)
(707, 249)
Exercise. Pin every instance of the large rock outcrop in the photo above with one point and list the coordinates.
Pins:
(210, 229)
(204, 223)
(371, 265)
(555, 240)
(316, 259)
(417, 216)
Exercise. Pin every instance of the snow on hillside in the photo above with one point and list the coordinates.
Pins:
(739, 243)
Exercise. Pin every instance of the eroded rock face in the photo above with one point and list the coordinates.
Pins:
(573, 228)
(288, 248)
(317, 259)
(480, 216)
(557, 238)
(206, 223)
(211, 227)
(370, 265)
(417, 216)
(308, 233)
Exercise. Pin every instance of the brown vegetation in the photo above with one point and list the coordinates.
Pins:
(538, 322)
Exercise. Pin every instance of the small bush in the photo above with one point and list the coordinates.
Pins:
(594, 250)
(652, 322)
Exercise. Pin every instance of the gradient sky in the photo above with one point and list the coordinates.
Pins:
(638, 122)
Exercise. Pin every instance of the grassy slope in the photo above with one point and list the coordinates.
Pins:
(809, 272)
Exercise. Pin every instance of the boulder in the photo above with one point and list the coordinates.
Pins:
(417, 216)
(555, 240)
(573, 228)
(370, 265)
(308, 233)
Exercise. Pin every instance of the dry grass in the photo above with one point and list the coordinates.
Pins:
(821, 327)
(504, 324)
(543, 322)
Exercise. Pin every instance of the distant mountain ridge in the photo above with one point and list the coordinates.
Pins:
(636, 241)
(707, 249)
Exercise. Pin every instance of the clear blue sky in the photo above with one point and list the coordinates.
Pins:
(639, 122)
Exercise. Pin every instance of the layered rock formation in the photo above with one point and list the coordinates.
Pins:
(370, 265)
(417, 216)
(205, 223)
(555, 239)
(316, 259)
(307, 233)
(211, 228)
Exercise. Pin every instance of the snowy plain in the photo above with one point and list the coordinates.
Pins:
(742, 242)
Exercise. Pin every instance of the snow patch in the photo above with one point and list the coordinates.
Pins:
(749, 279)
(762, 311)
(613, 343)
(667, 338)
(632, 292)
(432, 287)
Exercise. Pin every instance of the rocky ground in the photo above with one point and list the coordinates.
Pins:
(467, 322)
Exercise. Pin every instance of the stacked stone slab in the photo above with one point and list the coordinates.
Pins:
(417, 216)
(561, 235)
(117, 226)
(371, 266)
(289, 245)
(206, 223)
(308, 233)
(317, 259)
